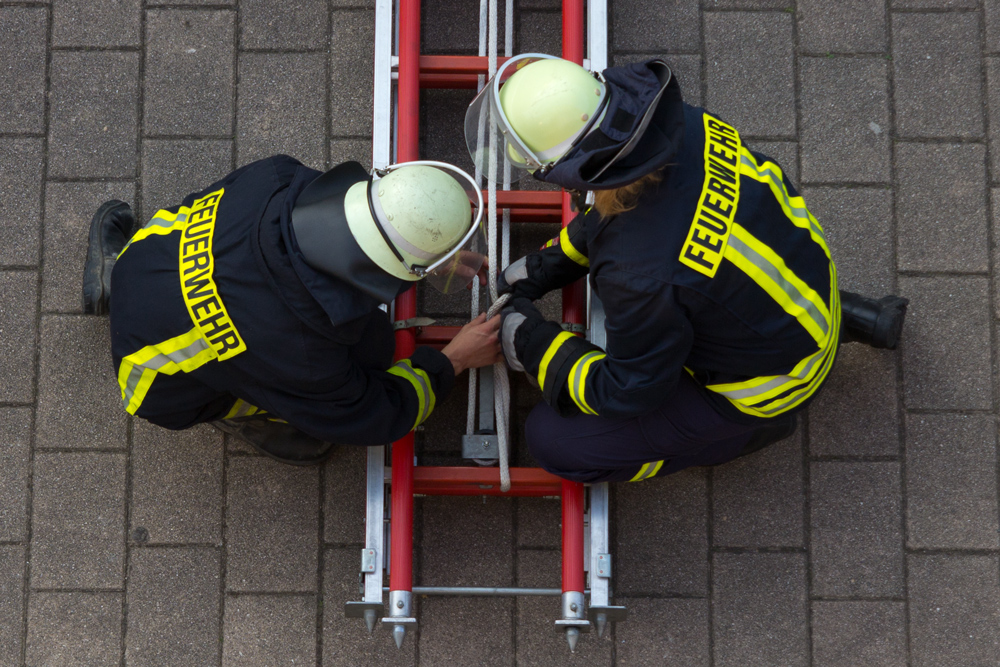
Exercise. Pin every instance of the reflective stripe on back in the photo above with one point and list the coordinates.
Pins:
(138, 370)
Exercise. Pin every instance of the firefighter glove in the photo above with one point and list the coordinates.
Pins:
(517, 320)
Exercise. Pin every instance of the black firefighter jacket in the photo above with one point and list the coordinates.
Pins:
(215, 314)
(720, 272)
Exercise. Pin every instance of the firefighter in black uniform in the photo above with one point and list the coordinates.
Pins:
(723, 315)
(254, 305)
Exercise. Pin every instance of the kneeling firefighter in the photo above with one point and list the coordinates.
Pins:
(723, 315)
(254, 305)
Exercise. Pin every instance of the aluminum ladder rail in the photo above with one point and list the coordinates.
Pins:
(414, 71)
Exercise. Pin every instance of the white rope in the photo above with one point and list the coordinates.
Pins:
(501, 384)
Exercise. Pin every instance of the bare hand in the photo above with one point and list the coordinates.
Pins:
(476, 345)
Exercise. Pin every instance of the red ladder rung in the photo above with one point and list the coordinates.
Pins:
(476, 481)
(453, 71)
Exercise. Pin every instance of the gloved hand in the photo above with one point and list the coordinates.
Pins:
(519, 316)
(516, 271)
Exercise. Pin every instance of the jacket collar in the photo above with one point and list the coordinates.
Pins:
(641, 132)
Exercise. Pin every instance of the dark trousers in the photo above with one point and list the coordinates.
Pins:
(684, 431)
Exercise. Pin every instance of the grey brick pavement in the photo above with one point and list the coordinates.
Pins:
(872, 537)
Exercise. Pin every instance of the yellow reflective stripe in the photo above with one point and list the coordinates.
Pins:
(243, 409)
(570, 251)
(769, 271)
(550, 243)
(138, 370)
(549, 353)
(578, 380)
(768, 396)
(705, 245)
(421, 385)
(647, 470)
(162, 223)
(794, 207)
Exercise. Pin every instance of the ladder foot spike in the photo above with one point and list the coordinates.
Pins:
(399, 633)
(572, 635)
(602, 622)
(370, 616)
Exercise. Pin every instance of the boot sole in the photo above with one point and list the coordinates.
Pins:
(94, 293)
(889, 328)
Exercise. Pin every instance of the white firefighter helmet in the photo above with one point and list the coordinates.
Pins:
(536, 107)
(408, 221)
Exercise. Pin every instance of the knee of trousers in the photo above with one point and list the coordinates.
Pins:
(542, 429)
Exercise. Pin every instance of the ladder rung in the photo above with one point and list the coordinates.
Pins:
(481, 481)
(453, 71)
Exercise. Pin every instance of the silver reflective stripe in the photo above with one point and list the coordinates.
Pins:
(578, 378)
(516, 271)
(772, 272)
(647, 471)
(424, 390)
(177, 356)
(738, 394)
(777, 180)
(134, 376)
(159, 361)
(163, 222)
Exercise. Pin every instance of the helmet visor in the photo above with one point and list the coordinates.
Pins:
(458, 271)
(497, 152)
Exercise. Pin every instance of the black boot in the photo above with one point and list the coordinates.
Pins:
(110, 229)
(876, 323)
(277, 439)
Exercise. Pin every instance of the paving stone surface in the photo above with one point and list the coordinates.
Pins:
(943, 47)
(173, 607)
(269, 630)
(176, 485)
(758, 501)
(848, 633)
(857, 529)
(947, 354)
(78, 628)
(870, 538)
(951, 482)
(281, 109)
(96, 23)
(672, 632)
(942, 229)
(78, 519)
(11, 604)
(20, 201)
(759, 609)
(19, 291)
(749, 71)
(93, 114)
(954, 610)
(23, 74)
(15, 463)
(291, 25)
(849, 26)
(189, 68)
(79, 403)
(845, 137)
(272, 526)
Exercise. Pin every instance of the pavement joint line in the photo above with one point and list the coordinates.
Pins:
(188, 137)
(290, 52)
(942, 140)
(900, 384)
(925, 551)
(271, 594)
(175, 545)
(846, 185)
(36, 359)
(192, 8)
(943, 274)
(78, 590)
(835, 458)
